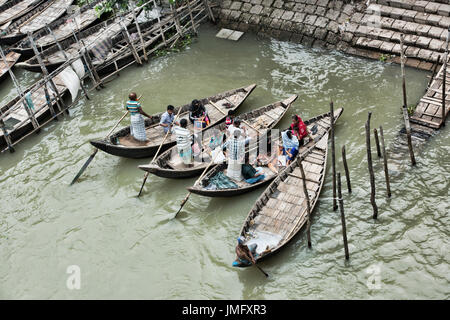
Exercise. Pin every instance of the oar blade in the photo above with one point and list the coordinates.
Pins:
(143, 183)
(83, 168)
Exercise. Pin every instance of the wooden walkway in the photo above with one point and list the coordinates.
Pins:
(427, 117)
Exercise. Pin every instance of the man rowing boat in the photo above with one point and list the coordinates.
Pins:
(137, 127)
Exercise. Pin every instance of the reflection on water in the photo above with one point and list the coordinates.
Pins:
(131, 248)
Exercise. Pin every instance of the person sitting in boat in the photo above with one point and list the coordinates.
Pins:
(252, 175)
(137, 128)
(230, 119)
(299, 129)
(236, 153)
(184, 142)
(278, 161)
(290, 145)
(245, 254)
(167, 119)
(198, 115)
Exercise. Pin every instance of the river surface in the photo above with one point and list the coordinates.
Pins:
(130, 248)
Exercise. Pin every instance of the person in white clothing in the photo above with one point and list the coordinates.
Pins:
(184, 142)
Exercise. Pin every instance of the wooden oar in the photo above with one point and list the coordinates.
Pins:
(95, 151)
(218, 108)
(261, 270)
(160, 146)
(199, 179)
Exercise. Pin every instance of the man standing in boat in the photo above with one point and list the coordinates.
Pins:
(167, 118)
(236, 153)
(137, 120)
(184, 142)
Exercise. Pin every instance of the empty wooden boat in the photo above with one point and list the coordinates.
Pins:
(91, 37)
(36, 19)
(123, 145)
(14, 9)
(62, 29)
(281, 211)
(234, 187)
(170, 165)
(15, 116)
(11, 60)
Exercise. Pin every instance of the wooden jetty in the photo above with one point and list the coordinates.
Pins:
(11, 59)
(14, 9)
(53, 57)
(155, 36)
(36, 19)
(62, 29)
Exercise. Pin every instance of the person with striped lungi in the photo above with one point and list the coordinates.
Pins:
(137, 128)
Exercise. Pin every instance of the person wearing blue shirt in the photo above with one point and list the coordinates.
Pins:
(167, 118)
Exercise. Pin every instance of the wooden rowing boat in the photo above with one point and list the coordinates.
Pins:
(35, 20)
(14, 9)
(281, 211)
(62, 28)
(123, 145)
(16, 118)
(53, 58)
(11, 60)
(170, 165)
(201, 188)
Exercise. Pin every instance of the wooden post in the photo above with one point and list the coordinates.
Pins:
(386, 172)
(377, 142)
(176, 19)
(444, 93)
(308, 205)
(402, 61)
(67, 58)
(344, 228)
(160, 27)
(140, 35)
(30, 114)
(190, 15)
(211, 16)
(6, 136)
(127, 38)
(333, 156)
(369, 163)
(59, 101)
(347, 173)
(408, 135)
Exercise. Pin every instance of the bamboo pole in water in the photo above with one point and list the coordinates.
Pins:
(408, 135)
(308, 205)
(344, 227)
(6, 136)
(444, 93)
(369, 163)
(377, 142)
(59, 101)
(333, 156)
(402, 61)
(347, 173)
(386, 171)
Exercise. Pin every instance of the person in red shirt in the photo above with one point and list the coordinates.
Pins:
(299, 129)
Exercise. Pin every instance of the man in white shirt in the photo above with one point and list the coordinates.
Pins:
(184, 142)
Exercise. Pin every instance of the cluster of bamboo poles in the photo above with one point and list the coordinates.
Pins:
(182, 14)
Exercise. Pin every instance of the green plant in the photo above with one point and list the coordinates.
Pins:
(411, 108)
(384, 57)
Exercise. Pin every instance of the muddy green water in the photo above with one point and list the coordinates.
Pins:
(130, 248)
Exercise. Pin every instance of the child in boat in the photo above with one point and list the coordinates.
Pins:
(278, 161)
(230, 119)
(137, 128)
